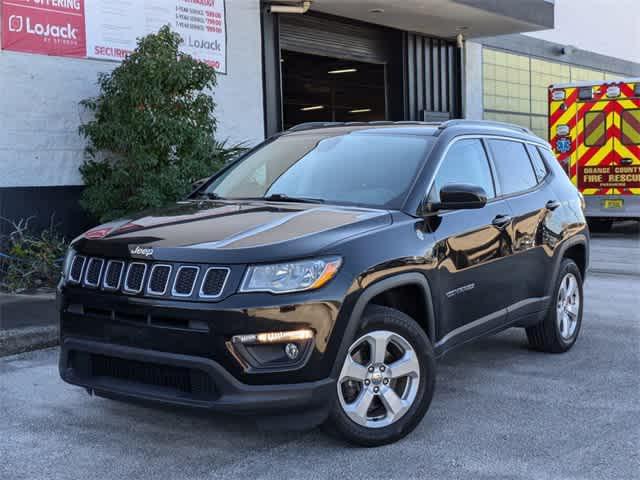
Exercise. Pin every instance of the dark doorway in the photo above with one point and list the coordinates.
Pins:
(317, 88)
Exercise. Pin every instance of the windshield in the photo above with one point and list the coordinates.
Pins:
(363, 169)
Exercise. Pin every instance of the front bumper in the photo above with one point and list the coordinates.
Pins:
(138, 374)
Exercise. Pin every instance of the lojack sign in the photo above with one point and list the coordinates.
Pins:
(50, 28)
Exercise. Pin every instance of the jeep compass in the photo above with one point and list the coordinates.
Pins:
(317, 278)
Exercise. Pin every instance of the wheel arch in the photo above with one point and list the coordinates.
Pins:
(577, 249)
(378, 288)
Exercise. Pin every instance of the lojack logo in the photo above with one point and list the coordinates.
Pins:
(205, 44)
(142, 251)
(17, 23)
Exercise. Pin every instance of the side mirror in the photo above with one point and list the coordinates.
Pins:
(460, 196)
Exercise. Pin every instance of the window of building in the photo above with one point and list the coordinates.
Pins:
(465, 162)
(515, 87)
(630, 127)
(595, 129)
(513, 166)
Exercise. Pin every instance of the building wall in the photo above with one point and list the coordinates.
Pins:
(619, 19)
(40, 115)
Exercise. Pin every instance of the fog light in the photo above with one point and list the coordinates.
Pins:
(274, 337)
(292, 350)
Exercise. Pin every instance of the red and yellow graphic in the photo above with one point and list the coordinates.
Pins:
(594, 130)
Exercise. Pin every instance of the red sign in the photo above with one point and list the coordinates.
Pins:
(49, 27)
(609, 176)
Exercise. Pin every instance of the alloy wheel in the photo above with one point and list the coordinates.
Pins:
(568, 306)
(379, 380)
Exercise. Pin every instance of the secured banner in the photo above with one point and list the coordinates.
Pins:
(114, 26)
(48, 27)
(108, 29)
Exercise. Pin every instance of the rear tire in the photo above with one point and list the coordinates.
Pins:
(598, 225)
(559, 331)
(381, 397)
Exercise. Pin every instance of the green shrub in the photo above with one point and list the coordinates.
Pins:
(152, 134)
(30, 260)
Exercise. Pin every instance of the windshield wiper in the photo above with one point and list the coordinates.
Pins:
(210, 196)
(282, 197)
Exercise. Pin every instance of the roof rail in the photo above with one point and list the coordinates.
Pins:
(480, 123)
(309, 125)
(312, 125)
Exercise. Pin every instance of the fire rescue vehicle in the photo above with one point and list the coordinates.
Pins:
(594, 129)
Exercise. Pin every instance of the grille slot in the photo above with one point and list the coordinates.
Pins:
(77, 266)
(113, 275)
(93, 272)
(134, 279)
(214, 281)
(176, 380)
(185, 281)
(159, 279)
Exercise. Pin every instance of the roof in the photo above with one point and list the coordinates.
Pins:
(592, 83)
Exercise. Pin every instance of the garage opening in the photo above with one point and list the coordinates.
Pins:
(317, 88)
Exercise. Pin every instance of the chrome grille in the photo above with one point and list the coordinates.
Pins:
(213, 283)
(77, 266)
(185, 281)
(113, 275)
(149, 278)
(93, 272)
(159, 279)
(134, 279)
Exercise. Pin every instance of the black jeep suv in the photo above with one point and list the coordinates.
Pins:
(317, 278)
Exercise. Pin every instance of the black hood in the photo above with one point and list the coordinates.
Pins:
(231, 232)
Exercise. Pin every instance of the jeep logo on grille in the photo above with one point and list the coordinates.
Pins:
(141, 251)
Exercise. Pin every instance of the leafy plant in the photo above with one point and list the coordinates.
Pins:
(152, 134)
(29, 260)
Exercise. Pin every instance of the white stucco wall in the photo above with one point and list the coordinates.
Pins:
(472, 87)
(607, 27)
(40, 115)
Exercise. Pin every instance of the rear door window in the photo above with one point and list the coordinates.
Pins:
(630, 127)
(595, 129)
(514, 169)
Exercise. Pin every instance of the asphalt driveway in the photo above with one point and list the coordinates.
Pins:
(500, 411)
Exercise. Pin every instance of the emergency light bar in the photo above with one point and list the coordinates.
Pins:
(558, 95)
(613, 91)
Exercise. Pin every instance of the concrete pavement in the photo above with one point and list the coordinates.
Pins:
(500, 411)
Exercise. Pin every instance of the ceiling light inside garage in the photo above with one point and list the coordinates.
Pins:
(360, 110)
(344, 70)
(314, 107)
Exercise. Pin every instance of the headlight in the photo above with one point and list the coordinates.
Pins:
(292, 276)
(67, 262)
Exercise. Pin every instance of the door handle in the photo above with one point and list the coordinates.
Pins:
(626, 161)
(552, 205)
(501, 221)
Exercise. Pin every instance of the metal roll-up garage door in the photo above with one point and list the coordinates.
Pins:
(320, 35)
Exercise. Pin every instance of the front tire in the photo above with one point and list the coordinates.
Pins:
(387, 380)
(559, 331)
